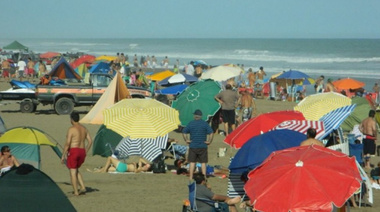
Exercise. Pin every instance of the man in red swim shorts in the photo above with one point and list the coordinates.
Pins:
(75, 151)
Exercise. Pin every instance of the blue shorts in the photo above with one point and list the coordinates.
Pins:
(121, 167)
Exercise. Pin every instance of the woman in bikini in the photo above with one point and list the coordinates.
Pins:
(113, 164)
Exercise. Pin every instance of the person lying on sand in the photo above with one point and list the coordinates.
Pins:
(183, 168)
(113, 164)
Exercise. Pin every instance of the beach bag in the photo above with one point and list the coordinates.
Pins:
(159, 165)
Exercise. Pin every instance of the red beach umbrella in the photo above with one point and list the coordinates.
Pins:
(305, 178)
(259, 125)
(83, 59)
(302, 126)
(48, 55)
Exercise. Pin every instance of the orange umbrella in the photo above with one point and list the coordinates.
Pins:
(348, 83)
(48, 55)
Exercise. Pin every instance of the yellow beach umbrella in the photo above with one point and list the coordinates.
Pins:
(315, 106)
(106, 57)
(141, 118)
(160, 75)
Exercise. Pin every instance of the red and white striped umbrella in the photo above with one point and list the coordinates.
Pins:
(302, 126)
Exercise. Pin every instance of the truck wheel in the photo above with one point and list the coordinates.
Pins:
(27, 107)
(64, 106)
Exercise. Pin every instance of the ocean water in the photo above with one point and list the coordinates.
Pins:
(333, 58)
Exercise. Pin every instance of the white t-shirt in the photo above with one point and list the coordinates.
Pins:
(21, 65)
(190, 70)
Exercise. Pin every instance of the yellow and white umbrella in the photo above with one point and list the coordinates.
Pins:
(141, 118)
(161, 75)
(315, 106)
(106, 57)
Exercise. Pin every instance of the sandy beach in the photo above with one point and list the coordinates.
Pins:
(126, 192)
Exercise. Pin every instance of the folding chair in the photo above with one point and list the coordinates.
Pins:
(357, 151)
(192, 206)
(119, 154)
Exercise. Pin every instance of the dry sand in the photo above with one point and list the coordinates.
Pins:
(125, 192)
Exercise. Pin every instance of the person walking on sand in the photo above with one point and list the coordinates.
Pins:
(247, 106)
(201, 135)
(330, 86)
(6, 66)
(311, 133)
(75, 150)
(260, 76)
(368, 128)
(251, 78)
(228, 99)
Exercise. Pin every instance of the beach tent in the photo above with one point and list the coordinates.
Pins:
(63, 70)
(25, 144)
(101, 67)
(82, 70)
(104, 140)
(28, 189)
(115, 92)
(16, 46)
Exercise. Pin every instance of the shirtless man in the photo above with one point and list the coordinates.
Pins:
(251, 78)
(6, 66)
(330, 86)
(260, 75)
(75, 151)
(368, 128)
(247, 106)
(30, 68)
(7, 160)
(311, 133)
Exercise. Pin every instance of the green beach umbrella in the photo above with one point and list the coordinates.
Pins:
(199, 95)
(358, 115)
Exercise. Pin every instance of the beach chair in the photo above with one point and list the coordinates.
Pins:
(357, 151)
(117, 153)
(191, 205)
(178, 151)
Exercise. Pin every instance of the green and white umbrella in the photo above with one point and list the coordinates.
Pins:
(199, 95)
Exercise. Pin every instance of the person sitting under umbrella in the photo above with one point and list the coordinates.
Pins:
(311, 133)
(7, 160)
(115, 165)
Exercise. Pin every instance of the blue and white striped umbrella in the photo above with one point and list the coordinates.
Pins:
(148, 148)
(335, 118)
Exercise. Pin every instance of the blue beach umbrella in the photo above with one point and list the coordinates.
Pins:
(174, 90)
(335, 118)
(258, 148)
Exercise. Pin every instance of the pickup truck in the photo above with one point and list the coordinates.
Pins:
(69, 95)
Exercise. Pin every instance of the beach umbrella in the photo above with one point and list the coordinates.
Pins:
(141, 118)
(335, 118)
(313, 107)
(25, 143)
(173, 90)
(199, 95)
(347, 83)
(302, 126)
(88, 59)
(178, 78)
(161, 75)
(305, 178)
(106, 58)
(48, 55)
(102, 67)
(148, 148)
(258, 148)
(222, 73)
(200, 62)
(358, 115)
(259, 125)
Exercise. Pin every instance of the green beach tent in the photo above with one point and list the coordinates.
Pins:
(28, 189)
(16, 46)
(25, 144)
(358, 115)
(104, 140)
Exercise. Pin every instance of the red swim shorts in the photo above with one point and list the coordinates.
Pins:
(75, 158)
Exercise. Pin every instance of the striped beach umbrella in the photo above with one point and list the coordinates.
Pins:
(335, 118)
(302, 126)
(315, 106)
(148, 148)
(141, 118)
